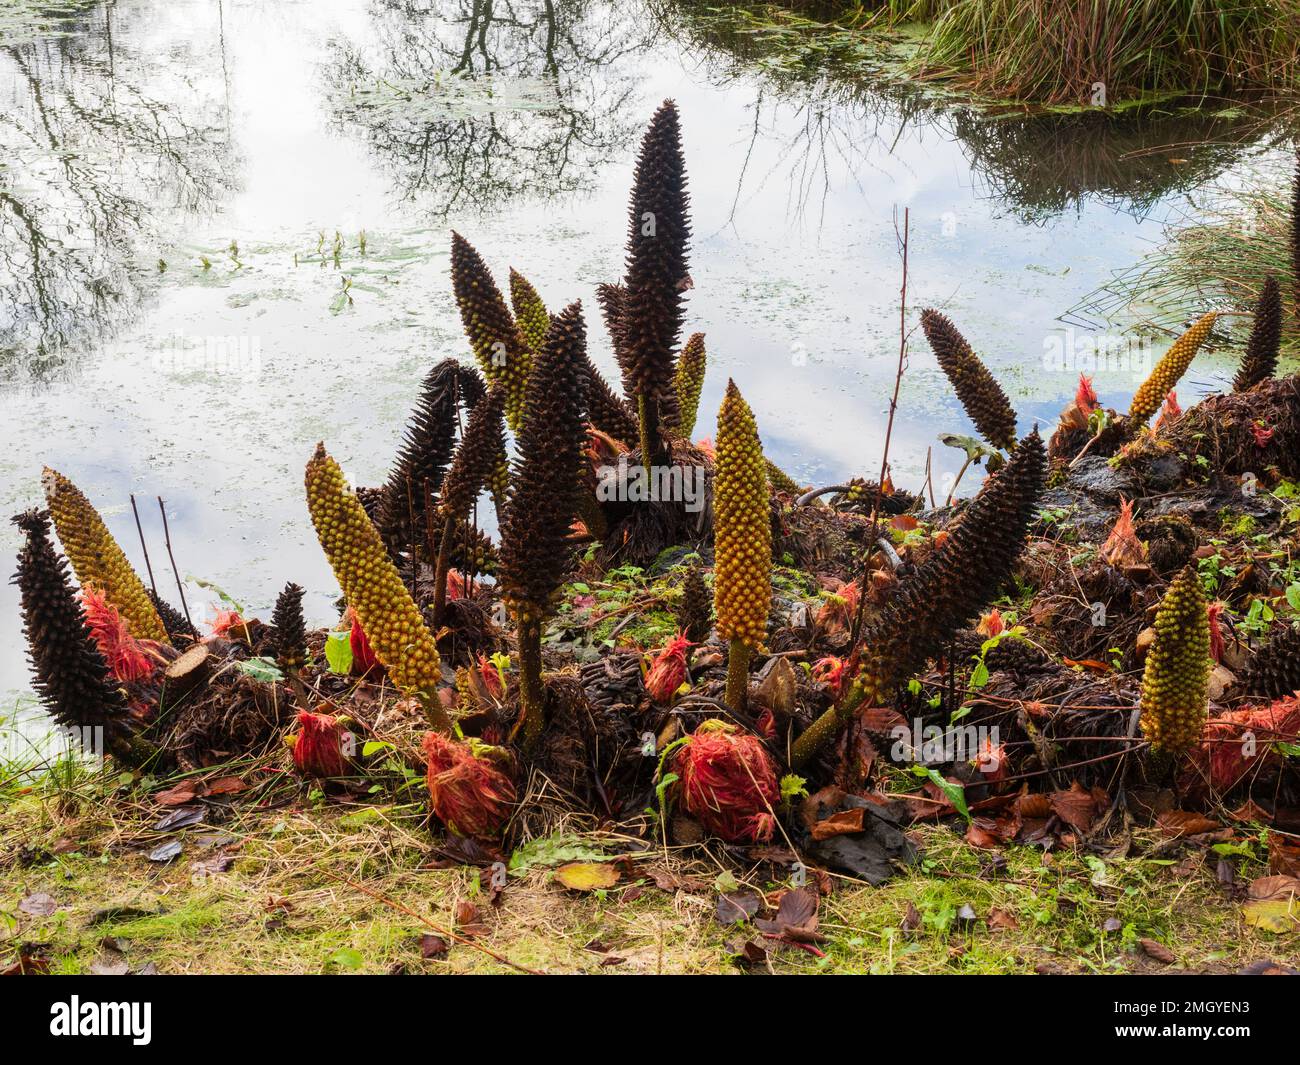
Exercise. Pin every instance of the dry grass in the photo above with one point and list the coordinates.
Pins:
(314, 886)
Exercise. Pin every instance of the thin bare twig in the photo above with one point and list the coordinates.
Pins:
(167, 539)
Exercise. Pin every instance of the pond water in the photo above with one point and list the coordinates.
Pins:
(224, 233)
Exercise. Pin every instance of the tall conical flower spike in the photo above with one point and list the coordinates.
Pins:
(530, 312)
(1171, 367)
(69, 673)
(611, 297)
(688, 382)
(477, 461)
(496, 339)
(535, 551)
(980, 394)
(372, 586)
(1260, 359)
(606, 411)
(1175, 680)
(657, 273)
(422, 460)
(1295, 235)
(946, 591)
(96, 558)
(742, 536)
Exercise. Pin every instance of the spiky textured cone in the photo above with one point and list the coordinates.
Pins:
(780, 480)
(606, 411)
(1275, 671)
(1260, 359)
(371, 584)
(954, 583)
(611, 297)
(980, 395)
(1171, 367)
(70, 675)
(96, 557)
(290, 639)
(530, 312)
(742, 526)
(945, 592)
(1175, 679)
(688, 382)
(477, 458)
(695, 613)
(535, 553)
(657, 273)
(496, 339)
(422, 460)
(173, 620)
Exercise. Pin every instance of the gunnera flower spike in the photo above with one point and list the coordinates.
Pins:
(96, 558)
(742, 537)
(1175, 680)
(980, 394)
(372, 586)
(1169, 370)
(497, 341)
(535, 549)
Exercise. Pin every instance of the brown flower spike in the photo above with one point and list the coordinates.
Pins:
(1260, 359)
(535, 549)
(70, 675)
(657, 274)
(497, 341)
(742, 537)
(945, 592)
(980, 394)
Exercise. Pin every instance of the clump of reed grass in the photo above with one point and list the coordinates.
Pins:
(1055, 51)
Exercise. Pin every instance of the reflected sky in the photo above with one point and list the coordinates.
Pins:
(245, 210)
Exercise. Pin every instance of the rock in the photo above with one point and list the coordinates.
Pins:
(1095, 477)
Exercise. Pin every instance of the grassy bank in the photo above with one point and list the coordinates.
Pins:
(290, 882)
(1109, 53)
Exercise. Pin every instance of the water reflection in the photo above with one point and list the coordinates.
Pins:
(1036, 165)
(101, 142)
(469, 103)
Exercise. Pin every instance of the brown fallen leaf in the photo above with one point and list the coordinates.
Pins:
(432, 946)
(736, 906)
(1076, 807)
(911, 919)
(796, 917)
(840, 823)
(1003, 919)
(1177, 823)
(1157, 951)
(38, 904)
